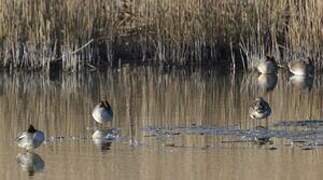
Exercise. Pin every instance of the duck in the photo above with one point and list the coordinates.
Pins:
(30, 139)
(260, 109)
(301, 67)
(269, 66)
(102, 112)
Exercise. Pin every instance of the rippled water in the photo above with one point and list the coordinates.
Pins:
(189, 124)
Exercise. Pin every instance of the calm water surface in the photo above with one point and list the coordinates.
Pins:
(168, 125)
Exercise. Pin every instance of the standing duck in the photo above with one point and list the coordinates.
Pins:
(260, 109)
(30, 139)
(301, 68)
(102, 112)
(269, 66)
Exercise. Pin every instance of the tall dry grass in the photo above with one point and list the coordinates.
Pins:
(75, 35)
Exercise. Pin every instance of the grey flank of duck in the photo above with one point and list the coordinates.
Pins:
(30, 139)
(260, 109)
(102, 112)
(301, 68)
(269, 66)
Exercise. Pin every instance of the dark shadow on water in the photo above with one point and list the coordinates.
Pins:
(302, 123)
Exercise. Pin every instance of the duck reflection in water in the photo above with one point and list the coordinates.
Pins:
(302, 67)
(262, 135)
(302, 82)
(103, 138)
(30, 162)
(267, 82)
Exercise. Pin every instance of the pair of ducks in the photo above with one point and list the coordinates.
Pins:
(299, 68)
(260, 109)
(33, 138)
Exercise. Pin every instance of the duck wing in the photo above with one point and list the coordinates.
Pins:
(21, 137)
(259, 107)
(263, 107)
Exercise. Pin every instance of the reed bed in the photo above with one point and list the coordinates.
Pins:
(74, 35)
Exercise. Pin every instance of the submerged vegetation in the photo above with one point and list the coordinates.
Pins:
(75, 35)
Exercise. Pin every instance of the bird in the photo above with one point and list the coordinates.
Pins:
(269, 66)
(301, 67)
(30, 139)
(102, 112)
(260, 109)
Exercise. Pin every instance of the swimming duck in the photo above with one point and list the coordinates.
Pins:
(269, 66)
(102, 112)
(301, 68)
(30, 139)
(260, 109)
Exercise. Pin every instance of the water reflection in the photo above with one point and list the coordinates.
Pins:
(30, 162)
(262, 135)
(216, 104)
(103, 138)
(267, 82)
(302, 82)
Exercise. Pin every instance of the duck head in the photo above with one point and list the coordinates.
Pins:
(259, 99)
(270, 58)
(310, 60)
(31, 129)
(105, 104)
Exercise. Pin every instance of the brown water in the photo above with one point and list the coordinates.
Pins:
(201, 120)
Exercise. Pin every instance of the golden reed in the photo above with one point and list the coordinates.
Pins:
(75, 35)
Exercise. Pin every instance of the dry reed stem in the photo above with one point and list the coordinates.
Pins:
(34, 33)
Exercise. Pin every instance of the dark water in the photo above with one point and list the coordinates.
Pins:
(167, 125)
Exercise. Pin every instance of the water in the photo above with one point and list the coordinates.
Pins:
(167, 125)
